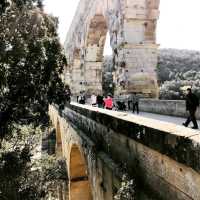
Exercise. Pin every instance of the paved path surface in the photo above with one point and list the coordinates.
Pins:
(165, 118)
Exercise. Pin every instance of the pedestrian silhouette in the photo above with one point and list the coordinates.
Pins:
(192, 102)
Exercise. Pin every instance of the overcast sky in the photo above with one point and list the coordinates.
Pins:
(178, 26)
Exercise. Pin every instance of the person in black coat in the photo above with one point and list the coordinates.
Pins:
(67, 94)
(81, 98)
(100, 101)
(192, 103)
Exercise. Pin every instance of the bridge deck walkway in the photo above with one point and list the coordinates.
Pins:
(165, 118)
(172, 122)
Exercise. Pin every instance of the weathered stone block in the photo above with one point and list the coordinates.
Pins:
(132, 26)
(164, 157)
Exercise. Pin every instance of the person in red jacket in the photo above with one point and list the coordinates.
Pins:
(108, 102)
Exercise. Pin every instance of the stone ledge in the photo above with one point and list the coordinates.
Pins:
(143, 121)
(166, 107)
(177, 142)
(163, 162)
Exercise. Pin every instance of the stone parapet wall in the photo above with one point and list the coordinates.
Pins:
(163, 157)
(166, 107)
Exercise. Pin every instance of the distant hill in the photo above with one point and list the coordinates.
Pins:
(176, 69)
(173, 61)
(108, 68)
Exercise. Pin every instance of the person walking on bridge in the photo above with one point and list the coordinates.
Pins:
(93, 100)
(192, 103)
(108, 102)
(135, 101)
(100, 101)
(81, 98)
(67, 94)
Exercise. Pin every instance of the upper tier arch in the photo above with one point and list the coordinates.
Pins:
(132, 28)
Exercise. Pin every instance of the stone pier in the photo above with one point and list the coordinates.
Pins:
(132, 28)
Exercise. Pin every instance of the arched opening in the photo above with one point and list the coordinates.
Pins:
(107, 47)
(79, 186)
(132, 31)
(58, 141)
(95, 42)
(77, 72)
(108, 67)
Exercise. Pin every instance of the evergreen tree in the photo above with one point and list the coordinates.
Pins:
(31, 61)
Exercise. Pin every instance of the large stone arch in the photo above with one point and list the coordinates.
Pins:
(77, 72)
(95, 41)
(89, 177)
(69, 147)
(132, 28)
(79, 186)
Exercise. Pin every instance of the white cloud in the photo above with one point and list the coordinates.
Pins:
(178, 26)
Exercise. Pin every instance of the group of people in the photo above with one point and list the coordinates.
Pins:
(116, 103)
(192, 103)
(102, 102)
(98, 100)
(131, 102)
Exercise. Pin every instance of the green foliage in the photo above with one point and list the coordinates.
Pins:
(31, 62)
(24, 174)
(177, 70)
(16, 166)
(174, 63)
(28, 180)
(7, 4)
(108, 68)
(127, 189)
(4, 4)
(11, 177)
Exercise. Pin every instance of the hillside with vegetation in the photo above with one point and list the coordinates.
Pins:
(177, 70)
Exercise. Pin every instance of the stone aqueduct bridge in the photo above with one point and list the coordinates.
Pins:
(132, 28)
(98, 144)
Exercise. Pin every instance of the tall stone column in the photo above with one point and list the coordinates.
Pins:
(136, 71)
(77, 77)
(66, 76)
(95, 41)
(93, 70)
(132, 28)
(136, 50)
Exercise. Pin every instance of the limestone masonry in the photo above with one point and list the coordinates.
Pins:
(97, 144)
(132, 28)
